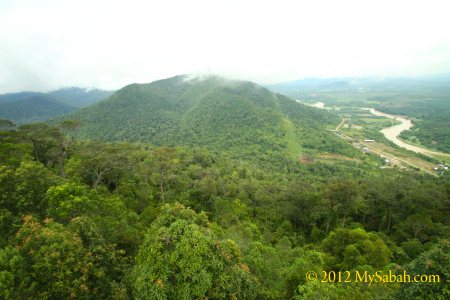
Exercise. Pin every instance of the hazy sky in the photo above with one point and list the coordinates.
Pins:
(49, 44)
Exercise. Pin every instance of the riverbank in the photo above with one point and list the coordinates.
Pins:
(392, 134)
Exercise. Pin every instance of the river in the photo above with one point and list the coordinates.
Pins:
(392, 133)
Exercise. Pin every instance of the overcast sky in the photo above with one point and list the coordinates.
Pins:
(49, 44)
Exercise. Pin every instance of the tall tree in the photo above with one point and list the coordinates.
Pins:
(55, 263)
(46, 141)
(182, 257)
(340, 200)
(164, 160)
(436, 262)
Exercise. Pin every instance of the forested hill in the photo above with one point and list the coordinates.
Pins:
(28, 107)
(234, 117)
(117, 220)
(34, 108)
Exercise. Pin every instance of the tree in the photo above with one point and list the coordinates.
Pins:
(340, 198)
(380, 198)
(296, 275)
(12, 273)
(412, 247)
(164, 157)
(109, 263)
(349, 248)
(95, 161)
(182, 257)
(22, 191)
(268, 265)
(55, 263)
(46, 141)
(71, 200)
(115, 222)
(435, 261)
(317, 290)
(416, 226)
(12, 154)
(67, 127)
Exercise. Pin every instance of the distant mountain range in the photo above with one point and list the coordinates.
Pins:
(26, 107)
(236, 117)
(292, 88)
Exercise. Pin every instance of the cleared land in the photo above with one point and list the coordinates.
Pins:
(368, 127)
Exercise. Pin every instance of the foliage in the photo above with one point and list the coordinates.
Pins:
(183, 258)
(435, 261)
(55, 263)
(33, 109)
(240, 119)
(425, 100)
(102, 220)
(27, 107)
(349, 248)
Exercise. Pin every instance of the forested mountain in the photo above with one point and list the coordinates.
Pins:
(11, 97)
(80, 97)
(235, 117)
(374, 84)
(32, 109)
(28, 107)
(209, 201)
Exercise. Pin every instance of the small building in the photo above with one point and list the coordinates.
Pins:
(369, 140)
(441, 167)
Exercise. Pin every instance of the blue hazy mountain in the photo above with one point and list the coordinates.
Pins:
(26, 107)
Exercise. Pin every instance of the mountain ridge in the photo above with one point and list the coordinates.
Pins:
(238, 117)
(28, 107)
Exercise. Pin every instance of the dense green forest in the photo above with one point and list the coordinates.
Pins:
(33, 109)
(99, 220)
(236, 118)
(28, 107)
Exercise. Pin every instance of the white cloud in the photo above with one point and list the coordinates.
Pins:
(48, 44)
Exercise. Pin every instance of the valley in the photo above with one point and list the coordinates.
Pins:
(391, 156)
(425, 100)
(212, 176)
(29, 107)
(393, 133)
(239, 118)
(224, 150)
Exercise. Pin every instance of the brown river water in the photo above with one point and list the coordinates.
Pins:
(392, 133)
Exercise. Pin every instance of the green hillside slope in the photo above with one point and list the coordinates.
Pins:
(234, 117)
(33, 109)
(28, 107)
(80, 97)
